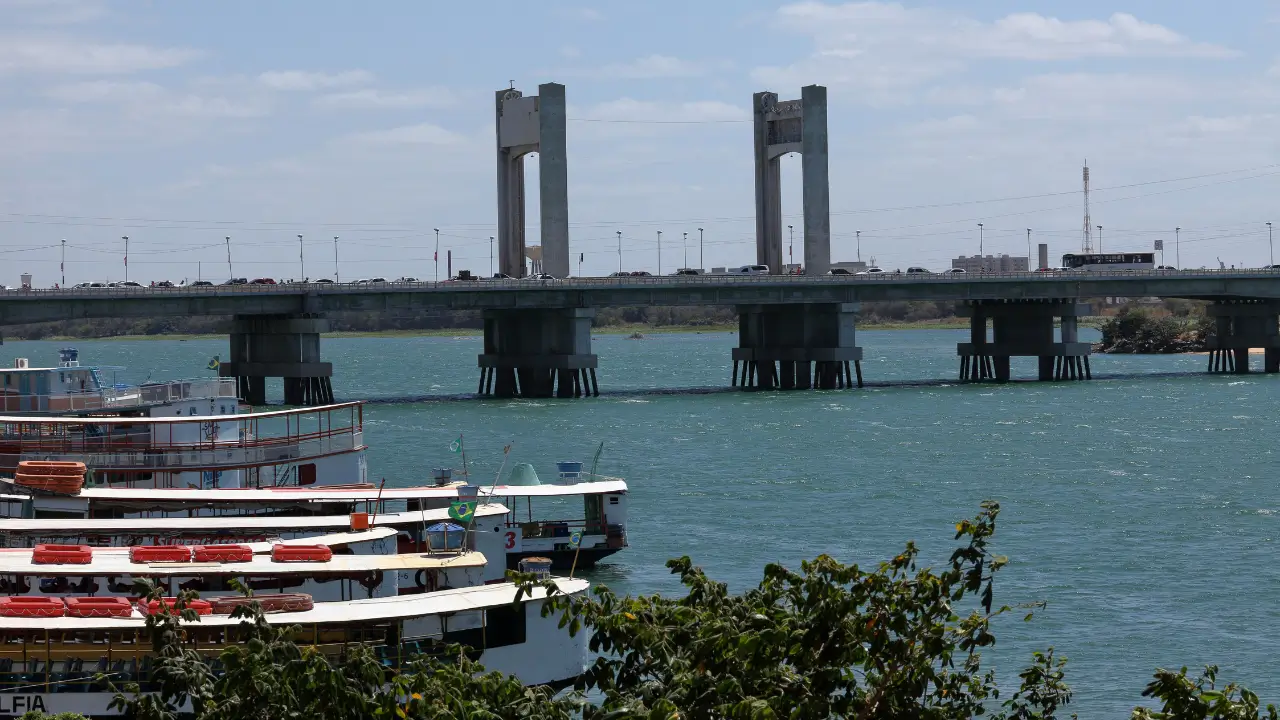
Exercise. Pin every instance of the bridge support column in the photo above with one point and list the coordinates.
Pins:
(1242, 325)
(538, 353)
(797, 347)
(1024, 328)
(283, 346)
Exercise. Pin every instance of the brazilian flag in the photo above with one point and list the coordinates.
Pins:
(214, 364)
(575, 538)
(462, 511)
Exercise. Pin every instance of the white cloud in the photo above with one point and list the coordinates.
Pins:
(697, 111)
(887, 47)
(150, 99)
(420, 134)
(308, 81)
(373, 98)
(71, 56)
(653, 66)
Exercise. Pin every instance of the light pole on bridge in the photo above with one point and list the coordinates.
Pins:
(491, 255)
(335, 258)
(126, 257)
(62, 266)
(685, 242)
(659, 252)
(1029, 248)
(1099, 239)
(857, 234)
(791, 245)
(230, 272)
(436, 256)
(701, 266)
(1270, 245)
(979, 245)
(302, 260)
(619, 251)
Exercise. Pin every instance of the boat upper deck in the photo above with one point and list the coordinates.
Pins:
(346, 612)
(268, 496)
(222, 523)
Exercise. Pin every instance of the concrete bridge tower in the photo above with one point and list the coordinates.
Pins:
(526, 125)
(783, 127)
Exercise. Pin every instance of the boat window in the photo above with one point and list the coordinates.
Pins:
(504, 626)
(307, 474)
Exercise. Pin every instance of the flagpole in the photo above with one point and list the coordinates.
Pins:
(378, 502)
(577, 549)
(462, 443)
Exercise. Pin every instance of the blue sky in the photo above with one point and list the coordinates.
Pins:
(179, 124)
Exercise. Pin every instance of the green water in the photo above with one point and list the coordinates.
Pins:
(1140, 505)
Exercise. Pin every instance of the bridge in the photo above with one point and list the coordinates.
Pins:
(795, 331)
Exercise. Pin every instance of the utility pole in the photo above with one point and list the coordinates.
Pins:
(701, 266)
(491, 255)
(302, 261)
(126, 257)
(230, 273)
(619, 251)
(1099, 239)
(659, 252)
(1028, 248)
(335, 258)
(1177, 245)
(685, 243)
(980, 245)
(858, 238)
(436, 256)
(62, 266)
(1270, 245)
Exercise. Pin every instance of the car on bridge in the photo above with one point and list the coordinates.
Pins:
(872, 271)
(202, 283)
(322, 281)
(750, 270)
(262, 281)
(956, 271)
(237, 281)
(839, 271)
(918, 271)
(539, 276)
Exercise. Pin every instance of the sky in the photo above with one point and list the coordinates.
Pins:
(182, 124)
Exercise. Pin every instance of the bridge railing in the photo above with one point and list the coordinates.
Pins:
(629, 281)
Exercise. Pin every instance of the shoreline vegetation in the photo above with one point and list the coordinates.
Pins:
(1170, 326)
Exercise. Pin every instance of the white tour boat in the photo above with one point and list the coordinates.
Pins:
(603, 524)
(49, 664)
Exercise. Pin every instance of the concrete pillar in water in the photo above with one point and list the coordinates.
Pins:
(783, 127)
(525, 125)
(1024, 328)
(538, 353)
(1241, 325)
(283, 346)
(797, 347)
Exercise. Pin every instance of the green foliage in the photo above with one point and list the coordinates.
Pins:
(1139, 330)
(830, 641)
(36, 715)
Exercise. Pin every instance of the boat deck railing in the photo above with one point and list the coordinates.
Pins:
(228, 453)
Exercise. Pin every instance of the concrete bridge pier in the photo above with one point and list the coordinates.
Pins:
(1024, 328)
(797, 347)
(1242, 325)
(283, 346)
(538, 353)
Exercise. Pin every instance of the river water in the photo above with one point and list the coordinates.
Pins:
(1141, 506)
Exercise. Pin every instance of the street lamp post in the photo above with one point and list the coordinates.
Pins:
(302, 260)
(684, 242)
(791, 245)
(335, 258)
(1029, 248)
(1099, 239)
(230, 272)
(659, 252)
(857, 235)
(1270, 245)
(126, 257)
(491, 255)
(62, 266)
(701, 266)
(1177, 245)
(436, 256)
(979, 244)
(619, 251)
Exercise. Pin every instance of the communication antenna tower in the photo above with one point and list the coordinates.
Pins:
(1088, 223)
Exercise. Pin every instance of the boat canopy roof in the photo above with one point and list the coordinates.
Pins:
(345, 612)
(350, 494)
(60, 526)
(115, 420)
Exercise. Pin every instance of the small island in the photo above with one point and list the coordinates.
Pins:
(1182, 328)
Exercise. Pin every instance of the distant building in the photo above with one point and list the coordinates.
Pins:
(990, 263)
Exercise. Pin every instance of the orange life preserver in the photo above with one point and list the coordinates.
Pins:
(202, 607)
(62, 554)
(99, 607)
(32, 606)
(222, 553)
(159, 553)
(301, 553)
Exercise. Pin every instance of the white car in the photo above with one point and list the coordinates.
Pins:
(872, 271)
(750, 270)
(957, 271)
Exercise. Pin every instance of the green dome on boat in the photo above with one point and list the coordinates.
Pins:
(523, 474)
